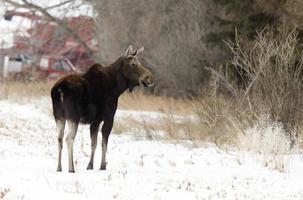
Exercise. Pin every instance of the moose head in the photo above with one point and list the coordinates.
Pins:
(134, 71)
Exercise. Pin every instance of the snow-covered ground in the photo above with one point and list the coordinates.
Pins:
(137, 168)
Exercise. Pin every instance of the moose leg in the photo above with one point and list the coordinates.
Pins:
(104, 149)
(93, 136)
(72, 126)
(106, 129)
(60, 124)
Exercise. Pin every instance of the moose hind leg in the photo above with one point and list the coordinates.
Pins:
(93, 136)
(72, 129)
(60, 124)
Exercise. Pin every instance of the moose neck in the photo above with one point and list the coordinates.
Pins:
(120, 82)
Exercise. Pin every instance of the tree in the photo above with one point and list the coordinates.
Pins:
(247, 18)
(171, 32)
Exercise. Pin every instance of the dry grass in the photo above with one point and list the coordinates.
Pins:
(138, 100)
(167, 127)
(179, 118)
(269, 143)
(24, 91)
(3, 192)
(201, 119)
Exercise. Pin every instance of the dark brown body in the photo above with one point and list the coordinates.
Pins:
(91, 98)
(84, 98)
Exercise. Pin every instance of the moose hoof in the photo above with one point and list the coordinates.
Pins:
(71, 171)
(103, 167)
(90, 167)
(59, 169)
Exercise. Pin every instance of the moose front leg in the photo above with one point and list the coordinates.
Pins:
(106, 129)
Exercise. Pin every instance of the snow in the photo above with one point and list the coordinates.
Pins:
(137, 168)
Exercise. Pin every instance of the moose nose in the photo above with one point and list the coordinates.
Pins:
(148, 81)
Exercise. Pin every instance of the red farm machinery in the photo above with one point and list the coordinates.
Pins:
(46, 51)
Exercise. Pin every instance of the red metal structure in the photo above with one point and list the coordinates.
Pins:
(46, 38)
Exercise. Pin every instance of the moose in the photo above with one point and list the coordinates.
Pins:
(92, 98)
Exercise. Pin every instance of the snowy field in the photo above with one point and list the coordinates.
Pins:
(137, 168)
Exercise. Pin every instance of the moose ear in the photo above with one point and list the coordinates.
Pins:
(128, 50)
(138, 51)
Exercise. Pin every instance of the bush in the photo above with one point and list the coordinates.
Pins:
(272, 70)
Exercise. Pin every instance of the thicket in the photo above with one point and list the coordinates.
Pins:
(273, 70)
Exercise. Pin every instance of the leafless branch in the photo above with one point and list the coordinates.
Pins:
(34, 7)
(58, 5)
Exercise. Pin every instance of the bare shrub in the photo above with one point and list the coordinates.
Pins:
(265, 137)
(265, 116)
(268, 143)
(217, 119)
(273, 72)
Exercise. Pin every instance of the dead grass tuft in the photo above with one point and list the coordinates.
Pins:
(4, 192)
(24, 91)
(139, 100)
